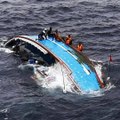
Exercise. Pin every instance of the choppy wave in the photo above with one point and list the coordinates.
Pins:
(95, 23)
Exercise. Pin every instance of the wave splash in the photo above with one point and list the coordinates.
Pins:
(55, 76)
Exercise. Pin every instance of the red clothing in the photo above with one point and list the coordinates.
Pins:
(68, 40)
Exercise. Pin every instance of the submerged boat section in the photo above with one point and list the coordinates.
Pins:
(79, 68)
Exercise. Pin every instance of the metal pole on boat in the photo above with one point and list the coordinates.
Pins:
(109, 63)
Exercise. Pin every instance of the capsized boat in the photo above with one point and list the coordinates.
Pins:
(79, 69)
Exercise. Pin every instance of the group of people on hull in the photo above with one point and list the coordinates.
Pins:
(45, 34)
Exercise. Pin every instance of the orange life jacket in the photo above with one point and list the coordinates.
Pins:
(80, 47)
(68, 40)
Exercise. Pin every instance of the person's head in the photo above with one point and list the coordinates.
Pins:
(56, 31)
(43, 31)
(50, 28)
(69, 35)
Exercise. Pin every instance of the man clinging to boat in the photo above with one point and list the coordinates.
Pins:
(45, 34)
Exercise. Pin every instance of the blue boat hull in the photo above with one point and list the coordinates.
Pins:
(81, 69)
(82, 74)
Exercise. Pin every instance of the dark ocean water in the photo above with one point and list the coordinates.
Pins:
(94, 22)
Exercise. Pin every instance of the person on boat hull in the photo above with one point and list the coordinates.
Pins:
(80, 47)
(68, 40)
(57, 36)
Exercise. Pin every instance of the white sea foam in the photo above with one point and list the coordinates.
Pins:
(53, 77)
(56, 76)
(6, 50)
(98, 68)
(2, 48)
